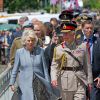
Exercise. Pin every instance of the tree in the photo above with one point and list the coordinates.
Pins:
(93, 4)
(21, 5)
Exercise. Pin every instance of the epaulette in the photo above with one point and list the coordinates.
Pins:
(61, 44)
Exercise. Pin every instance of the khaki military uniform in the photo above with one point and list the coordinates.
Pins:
(71, 82)
(16, 45)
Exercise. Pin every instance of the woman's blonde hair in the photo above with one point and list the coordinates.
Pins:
(26, 34)
(42, 28)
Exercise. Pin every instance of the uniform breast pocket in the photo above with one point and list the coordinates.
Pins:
(81, 56)
(69, 81)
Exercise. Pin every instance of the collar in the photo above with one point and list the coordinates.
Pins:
(91, 39)
(70, 46)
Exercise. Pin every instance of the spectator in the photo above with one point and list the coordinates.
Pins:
(40, 31)
(29, 69)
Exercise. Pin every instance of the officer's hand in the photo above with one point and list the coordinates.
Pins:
(12, 88)
(98, 82)
(54, 83)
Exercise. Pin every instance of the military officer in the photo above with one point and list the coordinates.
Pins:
(16, 45)
(70, 69)
(66, 15)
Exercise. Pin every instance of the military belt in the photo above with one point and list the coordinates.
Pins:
(72, 68)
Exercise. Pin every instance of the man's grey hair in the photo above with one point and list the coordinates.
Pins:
(25, 18)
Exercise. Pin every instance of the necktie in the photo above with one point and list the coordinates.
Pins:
(88, 48)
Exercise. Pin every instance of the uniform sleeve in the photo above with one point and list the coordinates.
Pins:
(54, 66)
(15, 69)
(12, 52)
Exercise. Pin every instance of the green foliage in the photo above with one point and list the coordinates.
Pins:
(21, 5)
(47, 8)
(93, 4)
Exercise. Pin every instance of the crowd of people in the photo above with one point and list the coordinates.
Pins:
(55, 60)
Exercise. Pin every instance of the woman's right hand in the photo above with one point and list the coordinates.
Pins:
(12, 88)
(54, 83)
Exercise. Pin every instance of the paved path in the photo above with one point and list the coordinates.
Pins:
(7, 94)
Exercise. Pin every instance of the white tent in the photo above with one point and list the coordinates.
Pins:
(42, 17)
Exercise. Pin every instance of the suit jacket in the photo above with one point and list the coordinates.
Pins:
(29, 65)
(96, 58)
(95, 53)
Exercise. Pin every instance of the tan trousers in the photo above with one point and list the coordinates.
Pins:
(80, 94)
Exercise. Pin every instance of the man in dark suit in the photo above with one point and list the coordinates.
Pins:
(87, 35)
